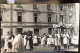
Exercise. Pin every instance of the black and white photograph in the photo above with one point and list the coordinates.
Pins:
(39, 27)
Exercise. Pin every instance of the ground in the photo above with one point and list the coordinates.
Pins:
(39, 48)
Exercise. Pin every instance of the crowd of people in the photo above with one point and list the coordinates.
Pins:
(25, 41)
(57, 40)
(18, 42)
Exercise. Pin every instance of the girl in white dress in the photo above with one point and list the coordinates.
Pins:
(6, 38)
(35, 40)
(8, 42)
(43, 40)
(18, 43)
(66, 41)
(75, 40)
(50, 40)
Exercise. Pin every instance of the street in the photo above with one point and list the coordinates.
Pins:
(47, 49)
(39, 48)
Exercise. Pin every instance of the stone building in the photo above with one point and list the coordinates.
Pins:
(38, 18)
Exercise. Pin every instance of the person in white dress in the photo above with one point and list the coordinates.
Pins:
(11, 38)
(18, 43)
(50, 40)
(35, 40)
(8, 42)
(57, 41)
(75, 40)
(66, 40)
(6, 38)
(25, 41)
(28, 42)
(43, 40)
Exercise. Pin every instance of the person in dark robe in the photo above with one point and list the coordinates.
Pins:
(30, 40)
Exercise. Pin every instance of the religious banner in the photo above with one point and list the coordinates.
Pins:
(10, 1)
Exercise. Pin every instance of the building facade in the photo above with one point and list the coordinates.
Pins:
(38, 18)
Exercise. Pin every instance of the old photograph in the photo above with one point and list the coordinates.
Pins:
(39, 27)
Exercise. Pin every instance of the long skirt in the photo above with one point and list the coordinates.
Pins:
(27, 45)
(50, 41)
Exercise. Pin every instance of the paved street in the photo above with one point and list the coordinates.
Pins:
(39, 48)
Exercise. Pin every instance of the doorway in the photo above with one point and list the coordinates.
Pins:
(19, 30)
(36, 31)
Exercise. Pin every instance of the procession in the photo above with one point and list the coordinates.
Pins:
(26, 41)
(39, 27)
(66, 40)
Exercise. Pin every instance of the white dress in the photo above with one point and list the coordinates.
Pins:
(25, 40)
(18, 43)
(75, 39)
(43, 41)
(6, 42)
(27, 45)
(50, 40)
(57, 40)
(35, 40)
(65, 39)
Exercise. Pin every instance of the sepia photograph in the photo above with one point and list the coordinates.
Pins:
(39, 27)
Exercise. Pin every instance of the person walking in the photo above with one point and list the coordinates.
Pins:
(18, 43)
(57, 41)
(75, 40)
(35, 40)
(6, 38)
(66, 40)
(50, 41)
(43, 40)
(11, 38)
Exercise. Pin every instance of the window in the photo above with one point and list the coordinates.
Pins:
(19, 18)
(35, 17)
(61, 8)
(48, 6)
(61, 18)
(49, 18)
(34, 6)
(50, 31)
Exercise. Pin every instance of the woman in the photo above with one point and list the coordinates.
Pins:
(35, 40)
(66, 41)
(50, 40)
(25, 39)
(8, 42)
(11, 38)
(75, 40)
(27, 42)
(6, 38)
(43, 40)
(57, 41)
(18, 43)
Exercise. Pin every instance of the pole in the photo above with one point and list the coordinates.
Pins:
(11, 6)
